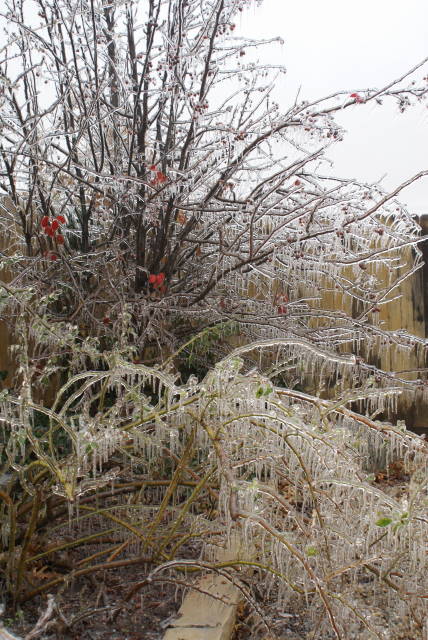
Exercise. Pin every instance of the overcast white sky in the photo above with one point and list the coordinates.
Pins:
(333, 45)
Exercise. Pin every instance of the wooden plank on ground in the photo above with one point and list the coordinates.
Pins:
(203, 617)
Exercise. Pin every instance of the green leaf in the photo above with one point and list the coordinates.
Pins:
(311, 551)
(263, 392)
(383, 522)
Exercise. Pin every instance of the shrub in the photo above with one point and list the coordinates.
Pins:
(228, 455)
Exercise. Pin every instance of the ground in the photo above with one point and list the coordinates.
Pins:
(85, 608)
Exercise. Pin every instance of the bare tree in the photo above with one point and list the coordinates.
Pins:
(150, 169)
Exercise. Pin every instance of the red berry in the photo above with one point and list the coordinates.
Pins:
(45, 221)
(106, 320)
(61, 219)
(60, 239)
(55, 225)
(53, 256)
(297, 183)
(49, 231)
(152, 278)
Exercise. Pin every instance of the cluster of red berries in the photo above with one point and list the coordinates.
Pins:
(157, 281)
(51, 226)
(357, 97)
(50, 255)
(159, 177)
(200, 107)
(283, 301)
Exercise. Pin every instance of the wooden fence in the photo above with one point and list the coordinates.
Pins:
(408, 311)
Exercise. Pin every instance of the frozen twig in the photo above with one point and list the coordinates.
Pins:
(44, 621)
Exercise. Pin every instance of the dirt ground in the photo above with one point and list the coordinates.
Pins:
(84, 609)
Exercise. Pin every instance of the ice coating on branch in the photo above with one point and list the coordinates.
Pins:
(293, 474)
